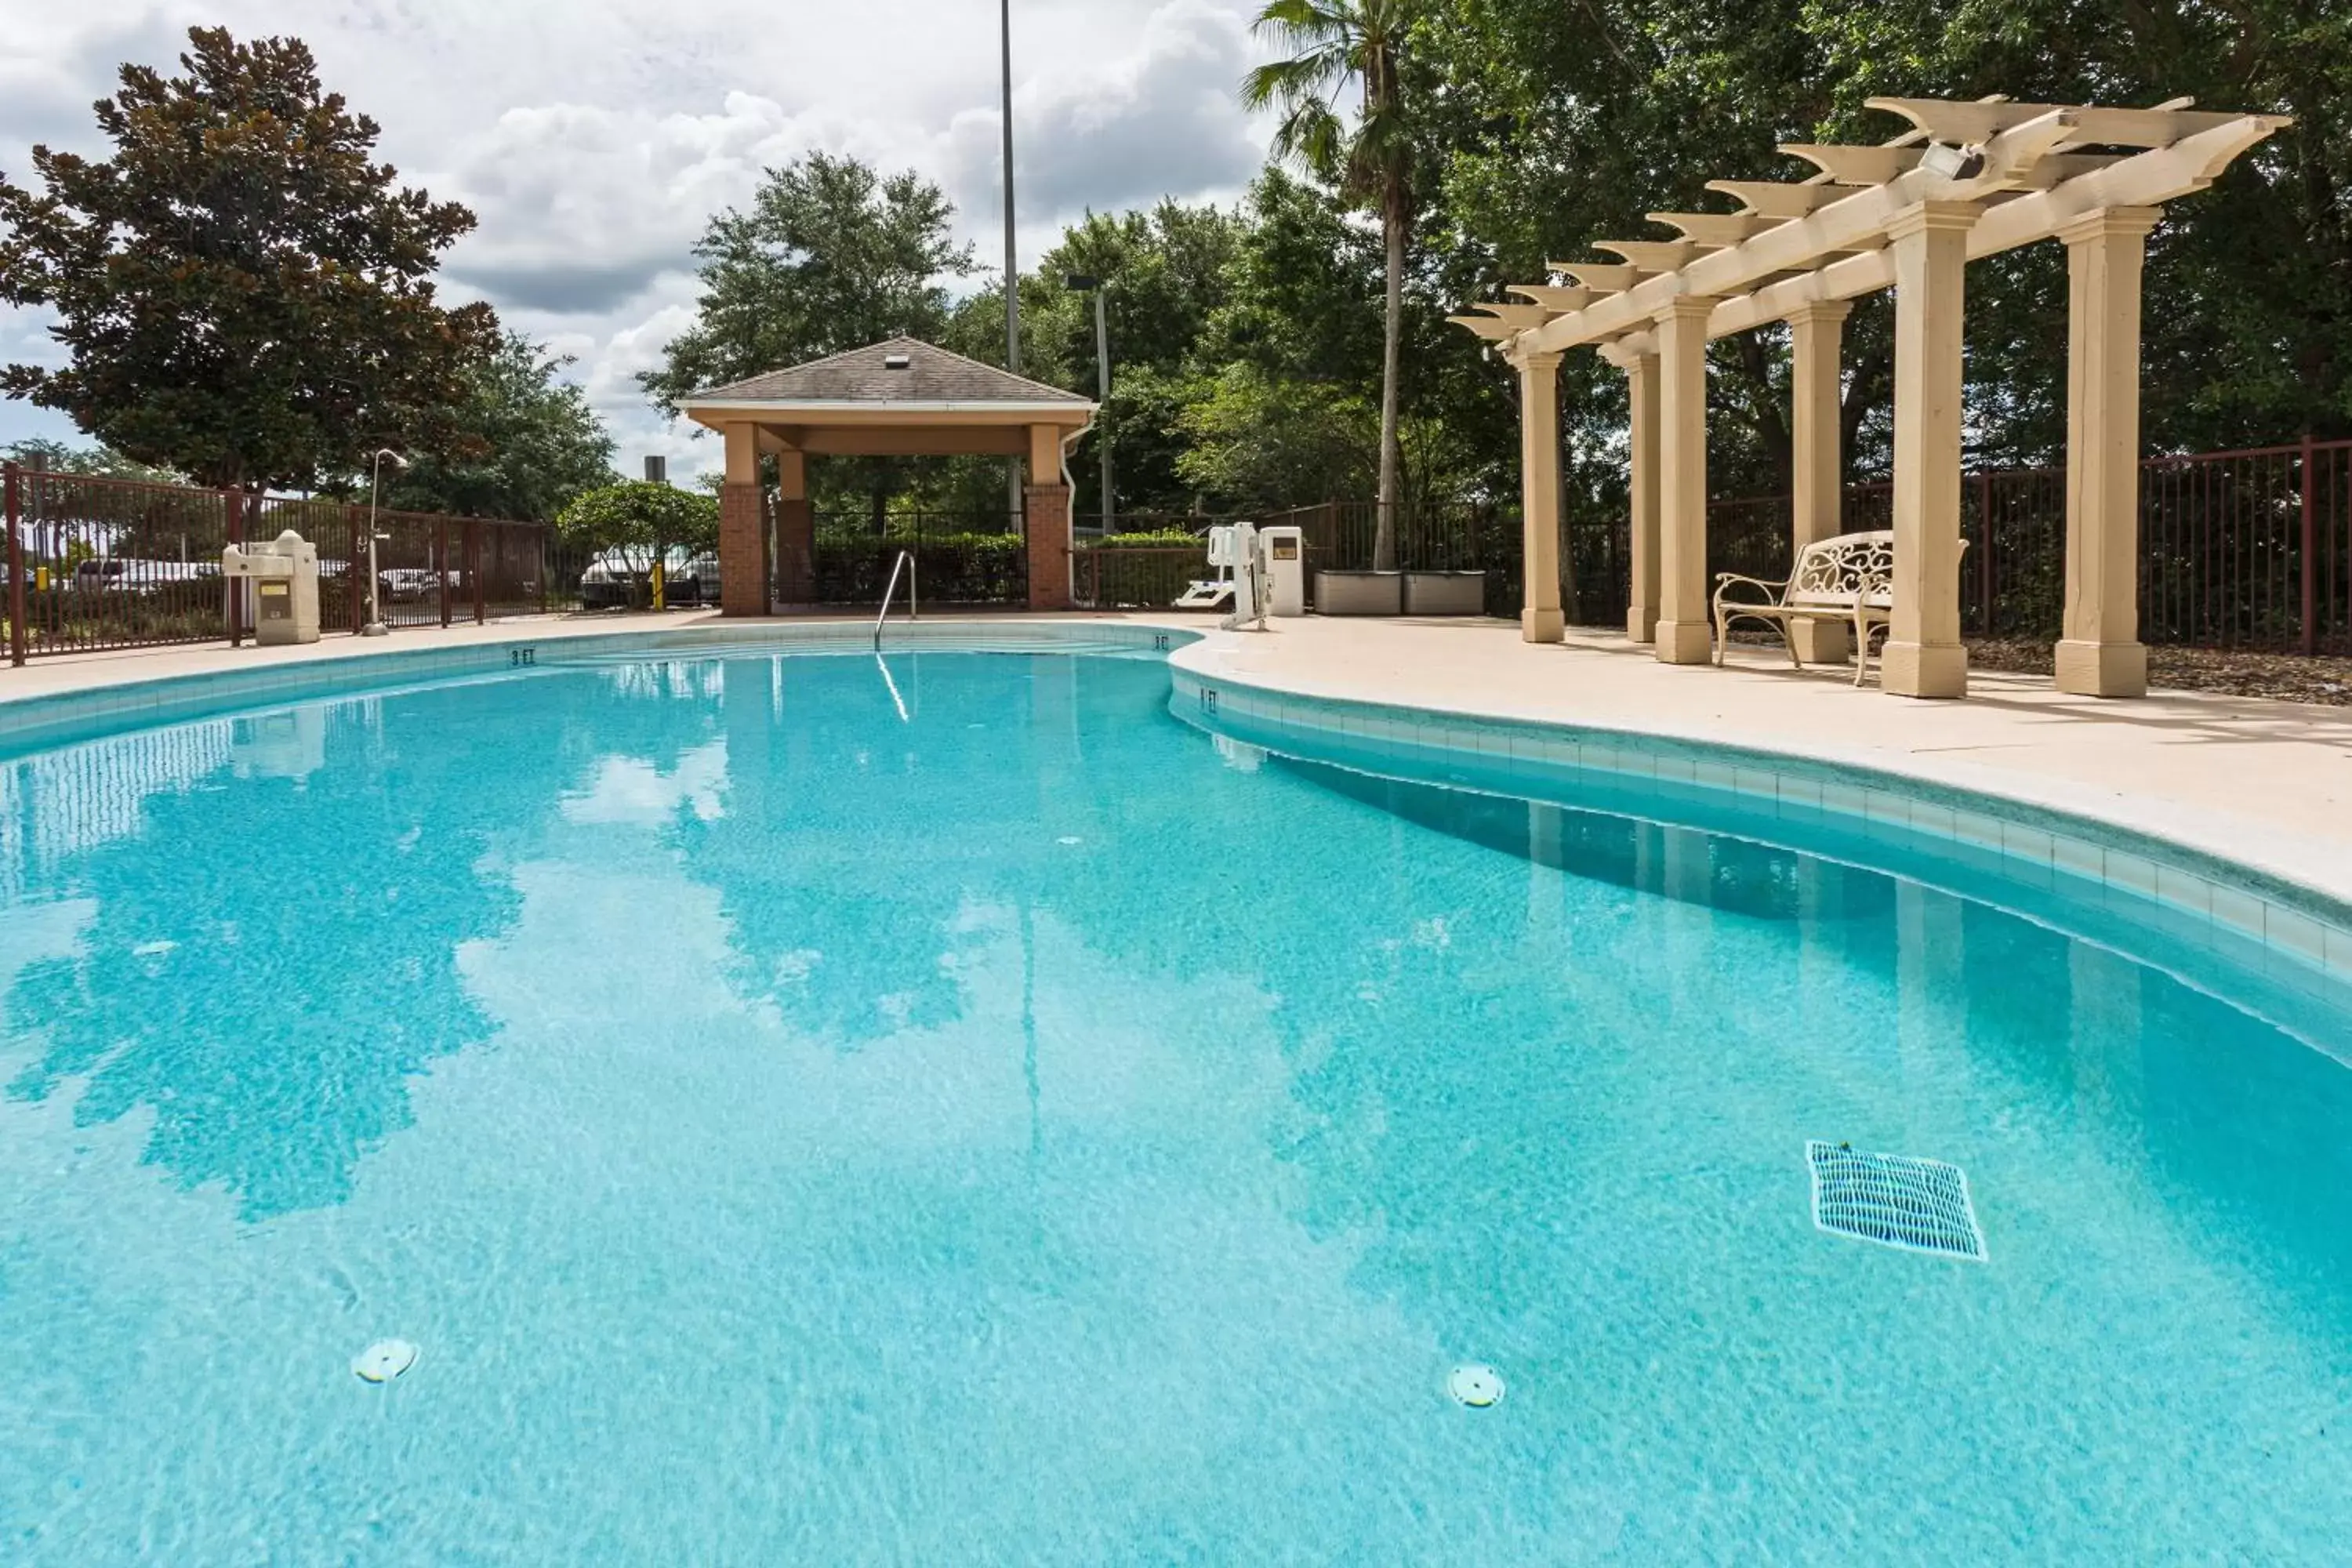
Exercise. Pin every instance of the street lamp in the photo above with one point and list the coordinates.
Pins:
(1079, 283)
(1016, 503)
(376, 626)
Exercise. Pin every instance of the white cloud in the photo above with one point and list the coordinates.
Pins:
(633, 792)
(596, 139)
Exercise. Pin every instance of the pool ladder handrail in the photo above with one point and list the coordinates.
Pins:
(906, 563)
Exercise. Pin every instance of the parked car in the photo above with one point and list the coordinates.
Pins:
(407, 584)
(616, 579)
(119, 574)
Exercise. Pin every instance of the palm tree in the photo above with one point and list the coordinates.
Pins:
(1334, 42)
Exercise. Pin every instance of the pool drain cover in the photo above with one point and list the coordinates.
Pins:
(383, 1361)
(1917, 1206)
(1475, 1386)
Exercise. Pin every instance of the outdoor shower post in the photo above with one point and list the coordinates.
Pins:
(233, 506)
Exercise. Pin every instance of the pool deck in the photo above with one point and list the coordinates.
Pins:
(2265, 783)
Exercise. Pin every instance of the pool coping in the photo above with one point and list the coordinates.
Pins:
(2014, 818)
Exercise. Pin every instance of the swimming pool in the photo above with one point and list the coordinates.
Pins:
(970, 1116)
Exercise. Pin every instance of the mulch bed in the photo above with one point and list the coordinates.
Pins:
(2284, 676)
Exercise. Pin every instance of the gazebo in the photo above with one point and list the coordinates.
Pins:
(1968, 180)
(898, 398)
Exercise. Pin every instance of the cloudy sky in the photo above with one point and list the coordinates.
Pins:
(594, 138)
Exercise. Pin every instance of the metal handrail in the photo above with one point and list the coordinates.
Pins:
(905, 563)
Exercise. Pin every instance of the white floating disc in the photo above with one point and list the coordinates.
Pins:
(1065, 842)
(383, 1361)
(1474, 1385)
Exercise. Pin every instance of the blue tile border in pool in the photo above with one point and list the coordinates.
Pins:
(33, 723)
(2178, 890)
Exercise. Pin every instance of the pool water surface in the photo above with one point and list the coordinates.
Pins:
(972, 1116)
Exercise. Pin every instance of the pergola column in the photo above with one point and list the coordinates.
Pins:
(1045, 522)
(1684, 633)
(1541, 618)
(2101, 654)
(1818, 490)
(743, 574)
(795, 530)
(1641, 368)
(1924, 653)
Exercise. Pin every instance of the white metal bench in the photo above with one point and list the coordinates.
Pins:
(1849, 579)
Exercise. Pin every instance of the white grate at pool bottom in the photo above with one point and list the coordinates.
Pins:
(1917, 1206)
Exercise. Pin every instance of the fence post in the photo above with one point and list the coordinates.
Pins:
(441, 565)
(2310, 551)
(16, 567)
(474, 567)
(232, 504)
(540, 536)
(1984, 554)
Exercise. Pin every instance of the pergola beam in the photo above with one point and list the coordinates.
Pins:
(2144, 179)
(1488, 327)
(1971, 125)
(1856, 166)
(1718, 231)
(1557, 301)
(1602, 276)
(1770, 198)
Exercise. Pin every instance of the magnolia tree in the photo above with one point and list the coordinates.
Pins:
(637, 525)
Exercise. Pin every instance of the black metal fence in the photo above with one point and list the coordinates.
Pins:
(96, 564)
(2247, 549)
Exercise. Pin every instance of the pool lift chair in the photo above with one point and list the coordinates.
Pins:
(1240, 550)
(1212, 593)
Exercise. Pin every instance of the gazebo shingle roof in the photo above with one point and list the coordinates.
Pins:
(932, 374)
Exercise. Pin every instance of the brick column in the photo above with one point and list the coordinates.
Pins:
(742, 552)
(1048, 529)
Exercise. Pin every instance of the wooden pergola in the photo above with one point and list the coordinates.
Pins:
(1968, 180)
(899, 398)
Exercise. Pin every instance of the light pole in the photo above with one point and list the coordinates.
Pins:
(376, 626)
(1012, 263)
(1100, 289)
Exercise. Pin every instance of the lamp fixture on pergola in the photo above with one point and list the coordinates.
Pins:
(1968, 180)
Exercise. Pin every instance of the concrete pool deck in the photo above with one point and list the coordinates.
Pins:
(2265, 783)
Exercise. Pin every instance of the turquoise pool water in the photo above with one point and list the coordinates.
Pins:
(1024, 1132)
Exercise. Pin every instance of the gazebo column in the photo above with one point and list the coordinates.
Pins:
(1817, 492)
(1045, 522)
(1924, 653)
(2101, 654)
(1684, 633)
(743, 574)
(795, 530)
(1541, 618)
(1641, 368)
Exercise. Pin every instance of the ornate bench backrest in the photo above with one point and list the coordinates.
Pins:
(1841, 571)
